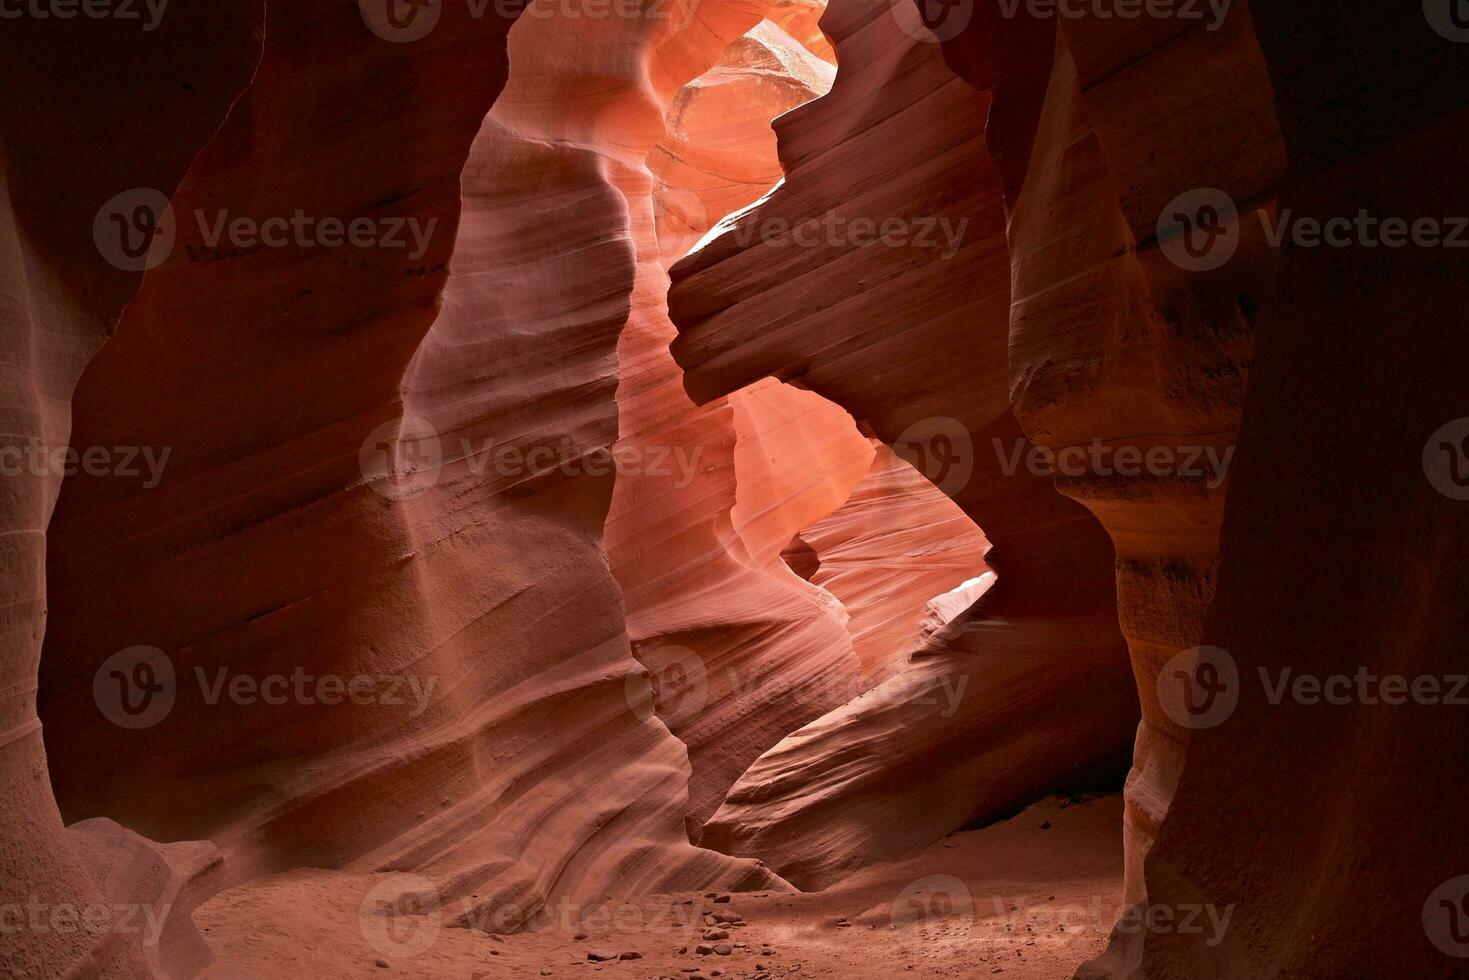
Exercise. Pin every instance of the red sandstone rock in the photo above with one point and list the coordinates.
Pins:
(719, 151)
(906, 339)
(1131, 120)
(279, 538)
(88, 119)
(741, 651)
(893, 549)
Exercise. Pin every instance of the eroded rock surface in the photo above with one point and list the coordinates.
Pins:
(911, 337)
(138, 105)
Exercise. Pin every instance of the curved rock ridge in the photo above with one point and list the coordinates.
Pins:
(743, 650)
(801, 19)
(137, 109)
(911, 336)
(889, 554)
(520, 766)
(269, 545)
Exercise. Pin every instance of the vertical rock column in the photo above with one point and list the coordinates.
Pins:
(1109, 340)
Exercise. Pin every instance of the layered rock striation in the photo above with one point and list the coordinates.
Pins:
(876, 275)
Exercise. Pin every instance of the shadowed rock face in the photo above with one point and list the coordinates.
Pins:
(1110, 337)
(913, 341)
(1354, 360)
(137, 107)
(1161, 351)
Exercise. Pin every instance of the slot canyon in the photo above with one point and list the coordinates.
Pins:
(761, 489)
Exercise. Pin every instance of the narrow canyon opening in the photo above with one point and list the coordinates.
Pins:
(476, 502)
(737, 631)
(744, 652)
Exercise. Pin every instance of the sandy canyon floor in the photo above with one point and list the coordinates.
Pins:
(1031, 897)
